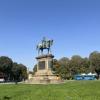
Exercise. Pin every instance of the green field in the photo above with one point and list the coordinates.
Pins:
(71, 90)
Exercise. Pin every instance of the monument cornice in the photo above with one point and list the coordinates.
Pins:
(45, 56)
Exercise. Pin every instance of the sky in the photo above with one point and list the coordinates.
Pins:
(74, 25)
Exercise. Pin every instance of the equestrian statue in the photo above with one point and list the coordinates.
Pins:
(44, 44)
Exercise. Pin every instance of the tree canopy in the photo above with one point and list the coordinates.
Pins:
(66, 68)
(12, 71)
(95, 62)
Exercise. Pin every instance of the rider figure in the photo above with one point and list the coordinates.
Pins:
(44, 42)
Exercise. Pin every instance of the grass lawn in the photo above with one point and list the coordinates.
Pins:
(71, 90)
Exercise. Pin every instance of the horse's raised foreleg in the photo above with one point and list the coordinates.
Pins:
(48, 50)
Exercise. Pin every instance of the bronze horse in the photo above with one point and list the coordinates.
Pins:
(45, 44)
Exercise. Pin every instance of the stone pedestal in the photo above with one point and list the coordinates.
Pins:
(44, 65)
(44, 73)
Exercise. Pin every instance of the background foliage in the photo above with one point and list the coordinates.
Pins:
(66, 68)
(12, 71)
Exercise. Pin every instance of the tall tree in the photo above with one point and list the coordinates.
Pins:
(64, 61)
(19, 72)
(55, 67)
(74, 64)
(16, 72)
(23, 71)
(61, 68)
(85, 64)
(6, 66)
(64, 69)
(95, 62)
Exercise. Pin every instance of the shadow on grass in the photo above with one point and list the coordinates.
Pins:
(6, 98)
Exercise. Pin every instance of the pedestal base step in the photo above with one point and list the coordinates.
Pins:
(44, 80)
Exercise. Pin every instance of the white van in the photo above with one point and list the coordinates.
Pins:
(1, 79)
